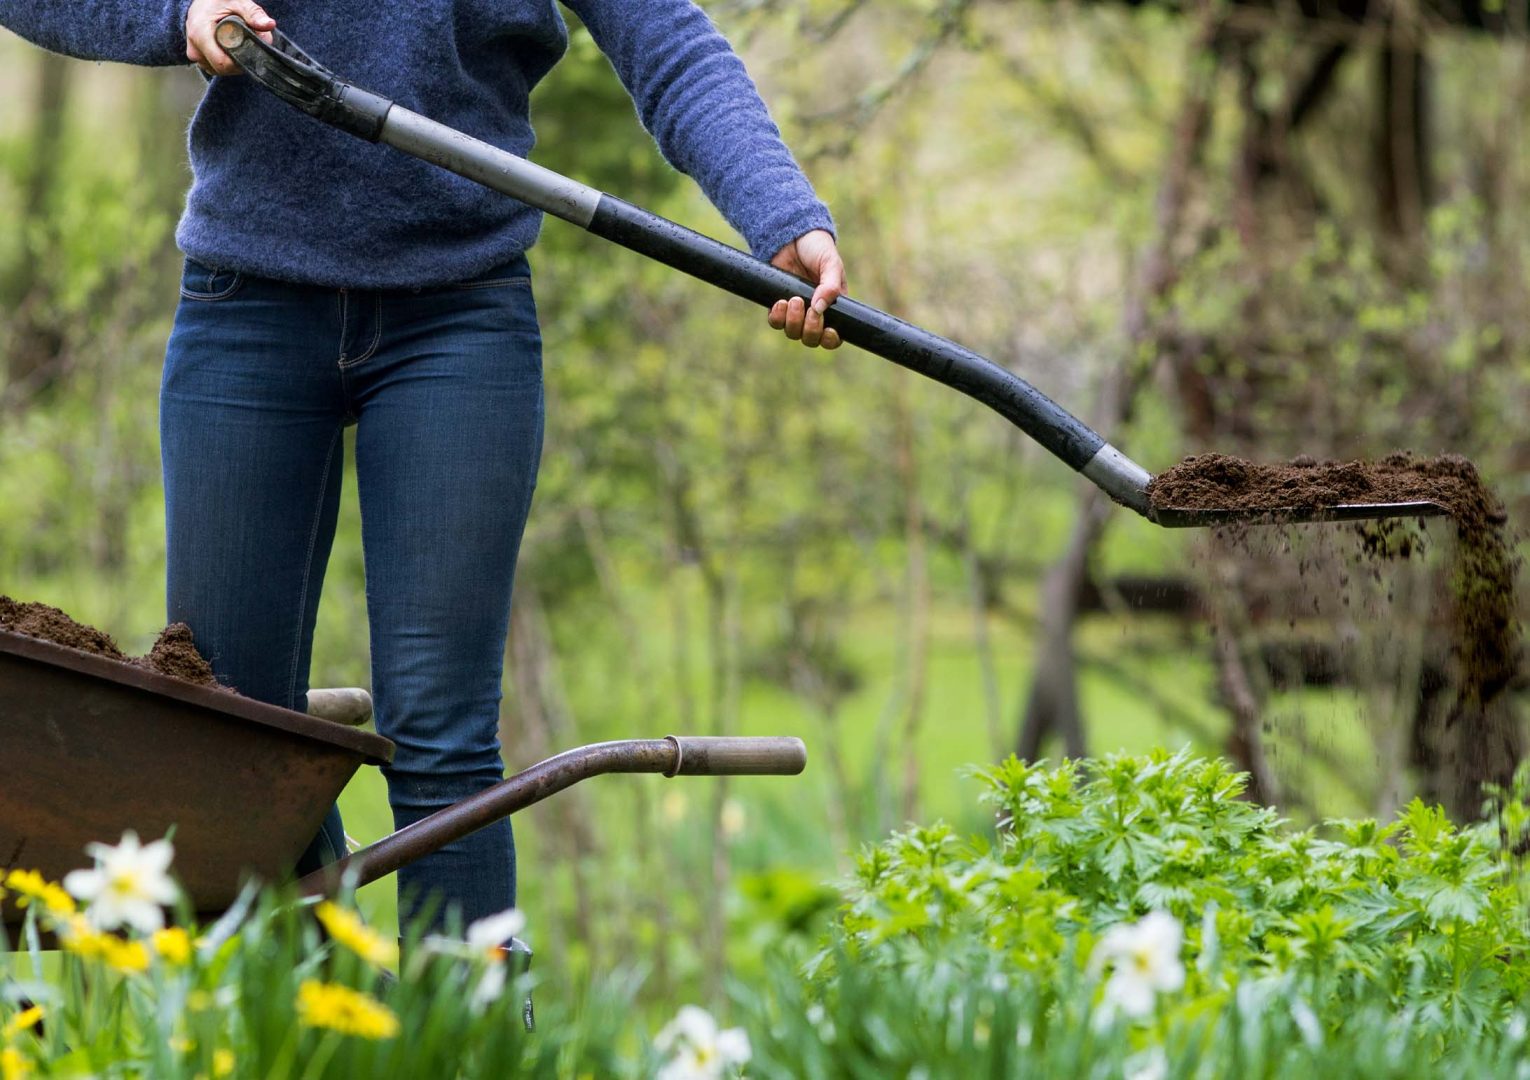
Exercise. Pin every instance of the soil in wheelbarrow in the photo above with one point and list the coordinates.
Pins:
(1485, 628)
(174, 653)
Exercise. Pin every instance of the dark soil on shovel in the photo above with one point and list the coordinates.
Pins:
(1486, 632)
(174, 653)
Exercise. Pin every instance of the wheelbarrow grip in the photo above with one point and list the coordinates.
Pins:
(741, 755)
(684, 755)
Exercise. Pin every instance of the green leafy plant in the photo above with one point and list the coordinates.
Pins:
(1415, 912)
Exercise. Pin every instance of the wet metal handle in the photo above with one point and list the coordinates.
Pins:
(683, 755)
(296, 78)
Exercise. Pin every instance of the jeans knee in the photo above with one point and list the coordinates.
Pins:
(414, 787)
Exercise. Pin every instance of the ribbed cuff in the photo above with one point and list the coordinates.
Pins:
(178, 10)
(773, 236)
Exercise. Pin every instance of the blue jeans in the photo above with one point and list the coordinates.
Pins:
(444, 386)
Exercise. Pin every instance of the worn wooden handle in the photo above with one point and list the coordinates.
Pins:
(722, 755)
(349, 705)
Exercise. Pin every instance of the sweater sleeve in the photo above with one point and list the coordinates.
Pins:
(149, 32)
(694, 96)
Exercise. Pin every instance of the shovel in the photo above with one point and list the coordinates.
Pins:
(292, 75)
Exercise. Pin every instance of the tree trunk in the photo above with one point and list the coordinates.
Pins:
(1052, 701)
(1401, 159)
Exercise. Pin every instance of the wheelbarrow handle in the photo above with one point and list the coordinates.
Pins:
(721, 755)
(683, 755)
(296, 78)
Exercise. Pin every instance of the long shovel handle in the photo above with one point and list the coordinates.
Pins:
(295, 77)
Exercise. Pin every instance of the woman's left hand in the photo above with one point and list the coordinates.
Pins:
(815, 257)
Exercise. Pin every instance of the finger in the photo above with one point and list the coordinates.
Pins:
(254, 15)
(778, 315)
(831, 339)
(796, 311)
(812, 329)
(831, 282)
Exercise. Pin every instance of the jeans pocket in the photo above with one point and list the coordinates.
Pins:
(206, 283)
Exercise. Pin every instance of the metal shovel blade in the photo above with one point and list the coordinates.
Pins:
(1184, 518)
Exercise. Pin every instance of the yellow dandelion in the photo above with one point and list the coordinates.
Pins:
(13, 1066)
(22, 1021)
(129, 957)
(347, 928)
(342, 1009)
(223, 1062)
(174, 944)
(80, 938)
(30, 885)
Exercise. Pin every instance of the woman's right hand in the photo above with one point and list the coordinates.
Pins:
(202, 18)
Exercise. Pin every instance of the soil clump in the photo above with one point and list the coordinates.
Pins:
(174, 653)
(1485, 631)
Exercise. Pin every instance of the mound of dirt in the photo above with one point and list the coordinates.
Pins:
(51, 624)
(174, 653)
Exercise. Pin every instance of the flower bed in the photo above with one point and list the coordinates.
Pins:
(1130, 917)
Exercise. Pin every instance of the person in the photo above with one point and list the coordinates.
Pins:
(329, 282)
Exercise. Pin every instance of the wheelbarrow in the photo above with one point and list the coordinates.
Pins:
(90, 747)
(292, 75)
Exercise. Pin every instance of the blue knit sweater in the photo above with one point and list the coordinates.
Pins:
(279, 194)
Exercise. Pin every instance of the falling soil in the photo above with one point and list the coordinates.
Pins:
(174, 654)
(1485, 629)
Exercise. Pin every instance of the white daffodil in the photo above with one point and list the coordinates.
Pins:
(129, 886)
(492, 931)
(697, 1049)
(487, 937)
(1144, 962)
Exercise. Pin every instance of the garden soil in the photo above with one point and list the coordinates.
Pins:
(174, 653)
(1485, 623)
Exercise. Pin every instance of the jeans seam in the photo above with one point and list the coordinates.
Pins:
(313, 540)
(493, 283)
(376, 337)
(345, 314)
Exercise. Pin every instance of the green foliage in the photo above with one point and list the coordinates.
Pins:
(1417, 912)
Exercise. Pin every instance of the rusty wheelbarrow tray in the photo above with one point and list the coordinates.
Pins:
(90, 747)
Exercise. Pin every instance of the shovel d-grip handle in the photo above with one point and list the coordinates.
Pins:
(289, 73)
(674, 755)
